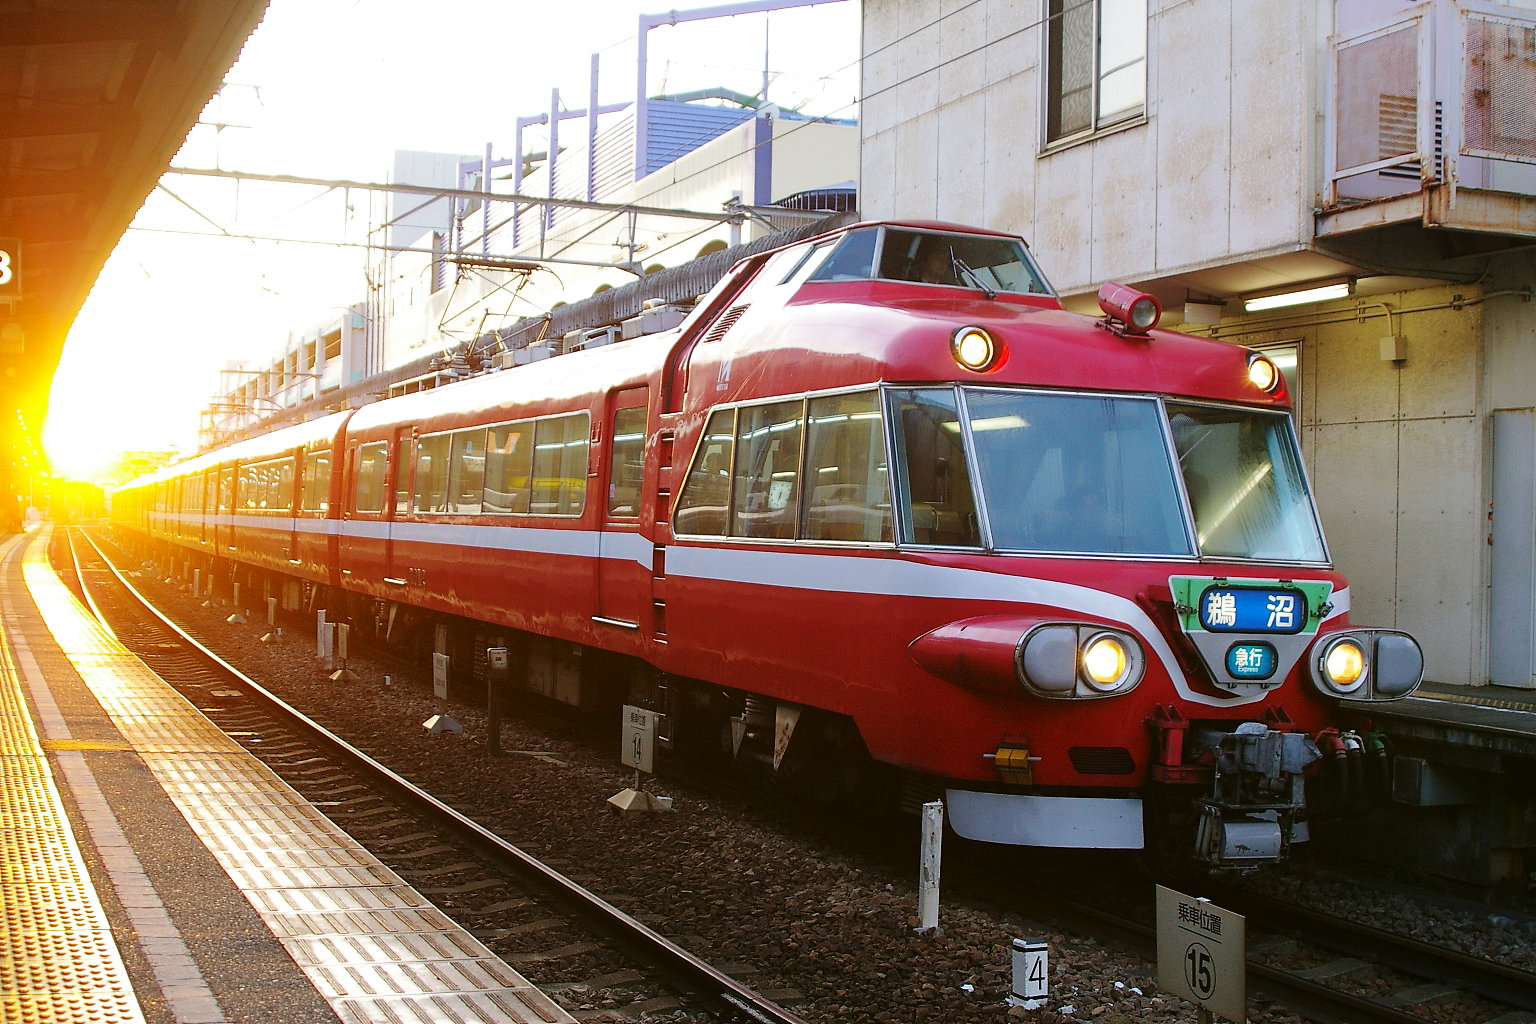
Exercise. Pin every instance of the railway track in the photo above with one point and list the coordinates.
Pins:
(587, 953)
(1322, 967)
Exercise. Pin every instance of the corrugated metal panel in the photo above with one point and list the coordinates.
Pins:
(615, 157)
(676, 129)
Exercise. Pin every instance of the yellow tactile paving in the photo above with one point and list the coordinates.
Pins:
(60, 963)
(375, 948)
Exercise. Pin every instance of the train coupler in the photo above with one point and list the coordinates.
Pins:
(1258, 792)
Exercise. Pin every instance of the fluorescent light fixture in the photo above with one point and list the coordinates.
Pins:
(1321, 293)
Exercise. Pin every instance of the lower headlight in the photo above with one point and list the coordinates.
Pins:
(1104, 662)
(1344, 665)
(1368, 664)
(1079, 660)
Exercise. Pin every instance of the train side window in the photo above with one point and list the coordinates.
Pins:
(765, 485)
(316, 493)
(560, 466)
(431, 481)
(371, 461)
(466, 471)
(703, 506)
(508, 468)
(627, 455)
(933, 474)
(284, 473)
(847, 493)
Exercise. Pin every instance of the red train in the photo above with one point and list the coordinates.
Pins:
(879, 511)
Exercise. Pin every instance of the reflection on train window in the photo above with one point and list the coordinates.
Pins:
(508, 465)
(430, 491)
(371, 462)
(531, 467)
(934, 475)
(560, 466)
(847, 488)
(852, 260)
(706, 495)
(765, 485)
(1076, 473)
(628, 458)
(1243, 474)
(266, 486)
(466, 470)
(316, 493)
(227, 489)
(986, 262)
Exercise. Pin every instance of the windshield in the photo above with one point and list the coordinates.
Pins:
(1094, 474)
(1245, 483)
(984, 262)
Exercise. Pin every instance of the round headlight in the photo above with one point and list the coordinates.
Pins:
(974, 348)
(1144, 313)
(1263, 374)
(1104, 662)
(1344, 665)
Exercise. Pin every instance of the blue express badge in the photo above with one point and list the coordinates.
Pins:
(1251, 661)
(1252, 610)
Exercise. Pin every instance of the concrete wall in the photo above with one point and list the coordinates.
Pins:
(1224, 165)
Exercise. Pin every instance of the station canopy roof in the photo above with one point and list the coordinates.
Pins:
(96, 98)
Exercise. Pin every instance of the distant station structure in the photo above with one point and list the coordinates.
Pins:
(480, 262)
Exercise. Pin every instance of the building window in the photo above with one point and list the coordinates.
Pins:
(1096, 65)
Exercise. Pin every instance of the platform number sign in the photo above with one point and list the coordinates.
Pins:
(1200, 954)
(10, 267)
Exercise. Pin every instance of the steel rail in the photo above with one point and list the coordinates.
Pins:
(731, 997)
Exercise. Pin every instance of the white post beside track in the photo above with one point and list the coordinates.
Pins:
(928, 868)
(322, 638)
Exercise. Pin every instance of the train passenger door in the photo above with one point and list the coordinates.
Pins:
(623, 554)
(366, 500)
(224, 516)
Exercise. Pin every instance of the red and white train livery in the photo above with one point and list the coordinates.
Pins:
(880, 508)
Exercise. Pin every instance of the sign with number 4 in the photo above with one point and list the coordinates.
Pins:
(1030, 974)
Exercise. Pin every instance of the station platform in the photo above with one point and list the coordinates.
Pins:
(1499, 720)
(152, 870)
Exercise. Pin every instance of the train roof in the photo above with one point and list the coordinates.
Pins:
(271, 445)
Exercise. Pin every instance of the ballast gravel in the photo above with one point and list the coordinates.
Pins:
(826, 933)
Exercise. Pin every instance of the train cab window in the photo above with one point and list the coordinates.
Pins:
(703, 506)
(934, 476)
(985, 262)
(372, 459)
(765, 485)
(627, 454)
(560, 447)
(466, 471)
(508, 467)
(315, 495)
(853, 259)
(430, 492)
(846, 492)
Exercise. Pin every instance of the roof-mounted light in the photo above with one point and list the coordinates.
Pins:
(1128, 311)
(1263, 374)
(975, 349)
